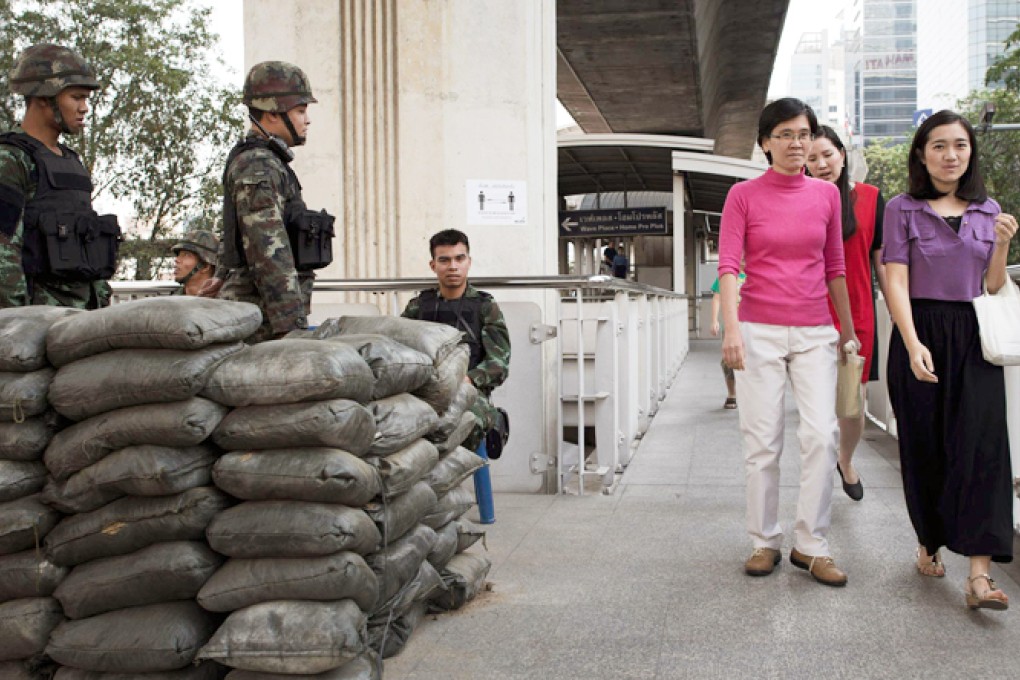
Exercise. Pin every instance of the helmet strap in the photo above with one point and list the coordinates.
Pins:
(61, 123)
(298, 140)
(194, 270)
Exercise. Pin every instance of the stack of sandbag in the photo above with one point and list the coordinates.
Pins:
(28, 611)
(134, 476)
(296, 585)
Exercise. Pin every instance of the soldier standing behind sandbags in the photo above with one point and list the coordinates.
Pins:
(271, 242)
(195, 260)
(54, 248)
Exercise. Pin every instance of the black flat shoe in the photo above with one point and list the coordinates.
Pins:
(855, 491)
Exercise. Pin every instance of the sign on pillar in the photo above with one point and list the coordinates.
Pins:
(491, 201)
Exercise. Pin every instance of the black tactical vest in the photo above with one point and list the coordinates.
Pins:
(464, 314)
(310, 233)
(64, 238)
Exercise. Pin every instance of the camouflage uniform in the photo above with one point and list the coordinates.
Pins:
(490, 363)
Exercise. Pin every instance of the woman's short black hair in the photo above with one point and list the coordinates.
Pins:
(843, 183)
(971, 186)
(778, 111)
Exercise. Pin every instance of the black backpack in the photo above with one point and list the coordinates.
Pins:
(497, 437)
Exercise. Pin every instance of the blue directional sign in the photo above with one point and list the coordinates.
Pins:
(615, 222)
(920, 116)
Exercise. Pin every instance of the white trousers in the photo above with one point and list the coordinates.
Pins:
(807, 354)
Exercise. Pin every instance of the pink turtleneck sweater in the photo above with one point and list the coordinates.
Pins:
(787, 229)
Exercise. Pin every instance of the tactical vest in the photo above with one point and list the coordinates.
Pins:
(464, 314)
(310, 233)
(64, 238)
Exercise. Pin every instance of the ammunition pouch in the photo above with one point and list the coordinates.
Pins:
(71, 246)
(311, 237)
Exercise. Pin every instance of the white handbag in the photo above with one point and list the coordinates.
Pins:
(998, 318)
(848, 384)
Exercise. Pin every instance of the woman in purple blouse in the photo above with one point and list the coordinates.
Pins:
(943, 239)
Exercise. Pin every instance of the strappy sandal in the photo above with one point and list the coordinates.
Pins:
(731, 402)
(933, 567)
(993, 599)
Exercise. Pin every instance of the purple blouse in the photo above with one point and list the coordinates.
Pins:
(943, 265)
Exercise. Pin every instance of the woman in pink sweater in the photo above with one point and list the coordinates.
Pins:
(786, 226)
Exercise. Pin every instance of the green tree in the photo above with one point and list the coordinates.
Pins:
(159, 129)
(1006, 68)
(887, 167)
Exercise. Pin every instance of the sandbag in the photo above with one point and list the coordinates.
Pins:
(25, 626)
(390, 640)
(468, 534)
(464, 577)
(445, 546)
(290, 371)
(20, 670)
(132, 523)
(400, 420)
(145, 470)
(335, 423)
(465, 425)
(163, 572)
(153, 638)
(396, 516)
(422, 586)
(401, 470)
(203, 671)
(23, 395)
(452, 469)
(439, 392)
(28, 439)
(291, 529)
(301, 474)
(286, 636)
(129, 377)
(182, 423)
(364, 667)
(23, 336)
(463, 399)
(20, 478)
(397, 368)
(169, 322)
(28, 574)
(433, 339)
(397, 563)
(25, 522)
(449, 507)
(241, 583)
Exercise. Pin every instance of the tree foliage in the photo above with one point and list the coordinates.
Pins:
(1006, 69)
(160, 127)
(887, 166)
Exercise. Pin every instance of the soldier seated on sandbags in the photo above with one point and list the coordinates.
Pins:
(195, 260)
(457, 303)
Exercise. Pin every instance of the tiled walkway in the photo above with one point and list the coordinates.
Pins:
(648, 582)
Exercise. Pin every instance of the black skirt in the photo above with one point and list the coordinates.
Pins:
(954, 447)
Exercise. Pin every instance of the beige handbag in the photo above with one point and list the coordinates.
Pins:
(848, 384)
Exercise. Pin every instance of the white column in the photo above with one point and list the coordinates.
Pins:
(679, 232)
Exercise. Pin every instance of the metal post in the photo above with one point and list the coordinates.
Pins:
(483, 489)
(580, 393)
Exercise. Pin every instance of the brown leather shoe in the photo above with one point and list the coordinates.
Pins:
(823, 569)
(762, 562)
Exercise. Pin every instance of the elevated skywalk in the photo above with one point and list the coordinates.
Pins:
(648, 582)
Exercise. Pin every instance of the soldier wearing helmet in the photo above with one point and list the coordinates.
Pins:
(195, 260)
(271, 242)
(54, 248)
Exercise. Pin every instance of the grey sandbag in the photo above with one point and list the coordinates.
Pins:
(300, 474)
(364, 667)
(433, 339)
(390, 640)
(465, 425)
(132, 523)
(129, 377)
(20, 670)
(468, 534)
(25, 522)
(397, 563)
(168, 322)
(203, 671)
(23, 335)
(25, 626)
(335, 423)
(449, 507)
(464, 577)
(400, 420)
(19, 478)
(396, 516)
(23, 395)
(397, 368)
(440, 391)
(463, 399)
(241, 583)
(445, 546)
(182, 423)
(28, 439)
(452, 469)
(163, 572)
(289, 636)
(145, 470)
(405, 468)
(149, 639)
(290, 371)
(28, 574)
(291, 529)
(420, 588)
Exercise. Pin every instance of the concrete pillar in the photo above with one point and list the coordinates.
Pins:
(679, 234)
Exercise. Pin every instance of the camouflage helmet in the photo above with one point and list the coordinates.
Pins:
(45, 70)
(202, 243)
(277, 87)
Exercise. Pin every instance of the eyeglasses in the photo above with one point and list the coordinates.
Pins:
(789, 135)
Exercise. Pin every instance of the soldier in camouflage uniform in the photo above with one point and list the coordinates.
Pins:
(54, 248)
(195, 260)
(262, 206)
(457, 303)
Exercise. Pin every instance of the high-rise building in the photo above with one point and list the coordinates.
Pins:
(816, 77)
